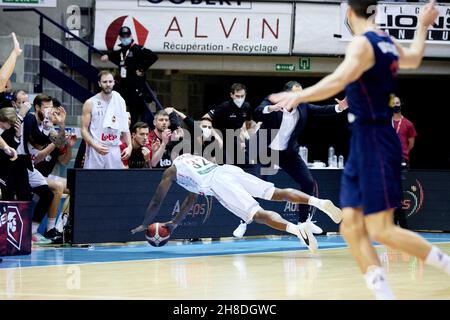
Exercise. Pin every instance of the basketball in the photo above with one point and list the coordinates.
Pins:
(157, 234)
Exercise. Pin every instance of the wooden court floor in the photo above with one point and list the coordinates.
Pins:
(330, 274)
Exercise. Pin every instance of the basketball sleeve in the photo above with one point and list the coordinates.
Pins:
(216, 113)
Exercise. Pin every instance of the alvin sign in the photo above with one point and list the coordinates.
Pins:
(188, 27)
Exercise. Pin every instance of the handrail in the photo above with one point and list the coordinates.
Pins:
(91, 47)
(57, 25)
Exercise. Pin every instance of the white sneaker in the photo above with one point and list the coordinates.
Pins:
(331, 210)
(39, 239)
(307, 237)
(240, 230)
(314, 228)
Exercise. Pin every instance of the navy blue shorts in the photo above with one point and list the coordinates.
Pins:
(372, 176)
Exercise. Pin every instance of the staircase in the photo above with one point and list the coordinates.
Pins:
(60, 66)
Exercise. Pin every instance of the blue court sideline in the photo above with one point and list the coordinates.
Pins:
(142, 251)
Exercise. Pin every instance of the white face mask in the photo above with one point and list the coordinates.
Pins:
(126, 41)
(206, 133)
(239, 102)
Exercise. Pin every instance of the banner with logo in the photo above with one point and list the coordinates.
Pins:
(401, 22)
(107, 204)
(15, 228)
(322, 29)
(27, 3)
(212, 27)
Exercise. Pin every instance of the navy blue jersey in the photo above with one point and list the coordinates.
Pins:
(370, 97)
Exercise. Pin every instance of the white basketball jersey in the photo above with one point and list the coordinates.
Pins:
(107, 136)
(194, 173)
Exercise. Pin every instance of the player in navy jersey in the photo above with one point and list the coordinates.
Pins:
(370, 186)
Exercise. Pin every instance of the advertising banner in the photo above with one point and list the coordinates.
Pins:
(401, 22)
(212, 27)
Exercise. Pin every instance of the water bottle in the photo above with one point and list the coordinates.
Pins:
(341, 161)
(330, 156)
(334, 163)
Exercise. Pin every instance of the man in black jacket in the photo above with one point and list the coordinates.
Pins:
(133, 61)
(290, 126)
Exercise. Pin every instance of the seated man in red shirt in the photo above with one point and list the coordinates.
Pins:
(405, 130)
(141, 153)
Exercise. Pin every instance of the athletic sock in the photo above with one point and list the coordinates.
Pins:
(377, 282)
(293, 229)
(59, 223)
(438, 259)
(34, 227)
(50, 223)
(315, 202)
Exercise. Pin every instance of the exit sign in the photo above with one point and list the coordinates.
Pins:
(284, 67)
(304, 64)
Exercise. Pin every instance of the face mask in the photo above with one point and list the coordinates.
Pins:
(396, 109)
(206, 133)
(126, 41)
(239, 102)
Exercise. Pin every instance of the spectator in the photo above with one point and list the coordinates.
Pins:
(6, 96)
(133, 61)
(163, 139)
(233, 114)
(103, 121)
(210, 140)
(39, 130)
(405, 130)
(44, 160)
(141, 153)
(6, 71)
(13, 174)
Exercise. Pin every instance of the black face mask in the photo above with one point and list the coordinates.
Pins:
(396, 109)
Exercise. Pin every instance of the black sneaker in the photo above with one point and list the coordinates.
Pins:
(52, 234)
(58, 240)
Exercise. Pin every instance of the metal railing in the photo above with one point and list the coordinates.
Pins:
(69, 58)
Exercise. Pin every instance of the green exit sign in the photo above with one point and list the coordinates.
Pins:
(284, 67)
(22, 1)
(304, 64)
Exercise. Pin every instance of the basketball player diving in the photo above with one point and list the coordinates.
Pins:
(235, 190)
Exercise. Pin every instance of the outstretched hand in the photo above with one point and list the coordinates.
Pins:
(171, 225)
(137, 229)
(343, 104)
(285, 100)
(429, 14)
(16, 44)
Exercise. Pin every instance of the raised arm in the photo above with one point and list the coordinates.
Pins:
(411, 58)
(155, 204)
(359, 57)
(8, 67)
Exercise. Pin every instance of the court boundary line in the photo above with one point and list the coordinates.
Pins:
(311, 255)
